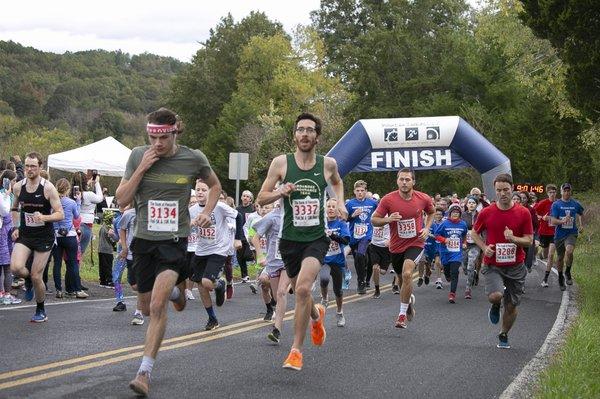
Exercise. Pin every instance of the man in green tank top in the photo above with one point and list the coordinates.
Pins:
(303, 175)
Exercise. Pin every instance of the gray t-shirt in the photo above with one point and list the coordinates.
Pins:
(127, 223)
(165, 189)
(269, 227)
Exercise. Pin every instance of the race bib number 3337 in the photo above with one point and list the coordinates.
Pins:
(163, 215)
(306, 212)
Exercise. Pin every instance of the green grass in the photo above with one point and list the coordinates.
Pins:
(89, 272)
(575, 371)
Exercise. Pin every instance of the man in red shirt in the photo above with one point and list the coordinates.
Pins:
(545, 230)
(403, 211)
(509, 230)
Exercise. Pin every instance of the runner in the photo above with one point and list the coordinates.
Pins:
(436, 265)
(509, 230)
(563, 217)
(259, 246)
(472, 254)
(451, 234)
(244, 254)
(36, 207)
(335, 260)
(431, 251)
(546, 230)
(379, 254)
(211, 251)
(403, 211)
(359, 210)
(158, 180)
(303, 245)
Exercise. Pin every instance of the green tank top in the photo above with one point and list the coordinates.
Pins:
(304, 209)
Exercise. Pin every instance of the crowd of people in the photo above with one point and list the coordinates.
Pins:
(171, 238)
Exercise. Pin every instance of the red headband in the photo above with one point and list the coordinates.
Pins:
(152, 128)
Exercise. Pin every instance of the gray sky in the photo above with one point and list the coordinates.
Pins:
(169, 28)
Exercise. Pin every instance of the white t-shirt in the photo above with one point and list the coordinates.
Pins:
(88, 204)
(381, 236)
(193, 237)
(215, 239)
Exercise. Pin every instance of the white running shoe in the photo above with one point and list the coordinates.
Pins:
(189, 295)
(341, 320)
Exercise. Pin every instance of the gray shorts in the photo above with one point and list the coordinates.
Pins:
(511, 277)
(561, 245)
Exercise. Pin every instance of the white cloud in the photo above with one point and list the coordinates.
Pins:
(172, 28)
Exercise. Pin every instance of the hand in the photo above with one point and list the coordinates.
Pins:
(15, 234)
(508, 234)
(545, 218)
(489, 250)
(394, 217)
(343, 211)
(423, 234)
(237, 244)
(38, 217)
(123, 254)
(111, 232)
(77, 196)
(356, 212)
(148, 159)
(202, 220)
(286, 189)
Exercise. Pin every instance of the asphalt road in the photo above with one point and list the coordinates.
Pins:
(449, 350)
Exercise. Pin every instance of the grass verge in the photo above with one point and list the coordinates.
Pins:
(575, 371)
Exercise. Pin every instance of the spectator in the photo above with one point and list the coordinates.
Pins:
(89, 199)
(106, 243)
(6, 244)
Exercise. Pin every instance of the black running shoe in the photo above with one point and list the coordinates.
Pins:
(395, 290)
(274, 336)
(561, 282)
(426, 278)
(569, 279)
(361, 289)
(268, 315)
(120, 307)
(220, 291)
(420, 282)
(211, 324)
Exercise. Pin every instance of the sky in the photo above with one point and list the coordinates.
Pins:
(169, 28)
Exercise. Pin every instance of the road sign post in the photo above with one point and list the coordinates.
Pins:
(238, 170)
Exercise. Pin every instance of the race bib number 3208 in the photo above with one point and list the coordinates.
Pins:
(163, 215)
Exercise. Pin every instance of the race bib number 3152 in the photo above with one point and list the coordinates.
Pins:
(163, 215)
(306, 212)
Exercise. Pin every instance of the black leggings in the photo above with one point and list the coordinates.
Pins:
(335, 271)
(451, 271)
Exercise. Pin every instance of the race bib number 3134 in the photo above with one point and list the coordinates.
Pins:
(163, 215)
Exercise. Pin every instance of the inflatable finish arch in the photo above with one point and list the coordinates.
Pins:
(444, 142)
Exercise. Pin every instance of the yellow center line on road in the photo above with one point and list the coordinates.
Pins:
(188, 340)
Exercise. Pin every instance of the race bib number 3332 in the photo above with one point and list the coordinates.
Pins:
(163, 215)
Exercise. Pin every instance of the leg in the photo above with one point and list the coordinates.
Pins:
(282, 290)
(304, 308)
(86, 237)
(18, 260)
(454, 272)
(408, 268)
(40, 259)
(336, 277)
(509, 316)
(324, 280)
(163, 286)
(376, 273)
(57, 254)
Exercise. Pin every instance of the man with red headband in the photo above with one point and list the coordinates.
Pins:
(158, 181)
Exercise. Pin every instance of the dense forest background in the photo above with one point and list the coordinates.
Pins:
(524, 74)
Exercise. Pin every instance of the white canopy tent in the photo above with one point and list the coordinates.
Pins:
(108, 156)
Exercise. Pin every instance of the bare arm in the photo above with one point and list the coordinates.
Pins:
(487, 249)
(337, 185)
(428, 221)
(378, 221)
(123, 243)
(57, 210)
(214, 185)
(128, 187)
(277, 170)
(97, 196)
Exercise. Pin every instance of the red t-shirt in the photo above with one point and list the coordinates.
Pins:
(494, 220)
(405, 233)
(543, 208)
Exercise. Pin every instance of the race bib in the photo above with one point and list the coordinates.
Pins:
(360, 230)
(263, 244)
(453, 244)
(506, 252)
(469, 238)
(207, 233)
(30, 221)
(407, 228)
(568, 225)
(277, 253)
(378, 232)
(305, 212)
(334, 248)
(193, 237)
(163, 215)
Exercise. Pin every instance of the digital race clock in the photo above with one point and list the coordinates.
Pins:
(528, 187)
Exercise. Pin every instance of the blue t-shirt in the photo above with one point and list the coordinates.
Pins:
(431, 245)
(360, 226)
(560, 209)
(71, 210)
(335, 254)
(455, 234)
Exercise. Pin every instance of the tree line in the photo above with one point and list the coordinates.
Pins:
(513, 70)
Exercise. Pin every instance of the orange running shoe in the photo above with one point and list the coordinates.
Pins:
(317, 333)
(294, 360)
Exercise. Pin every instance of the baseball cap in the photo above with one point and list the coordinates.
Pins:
(454, 207)
(565, 186)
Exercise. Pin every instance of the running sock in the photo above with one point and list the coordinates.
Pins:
(39, 307)
(211, 312)
(174, 294)
(273, 302)
(376, 288)
(269, 307)
(546, 275)
(146, 366)
(403, 308)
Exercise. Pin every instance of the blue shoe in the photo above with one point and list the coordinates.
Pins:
(494, 313)
(39, 317)
(503, 341)
(28, 289)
